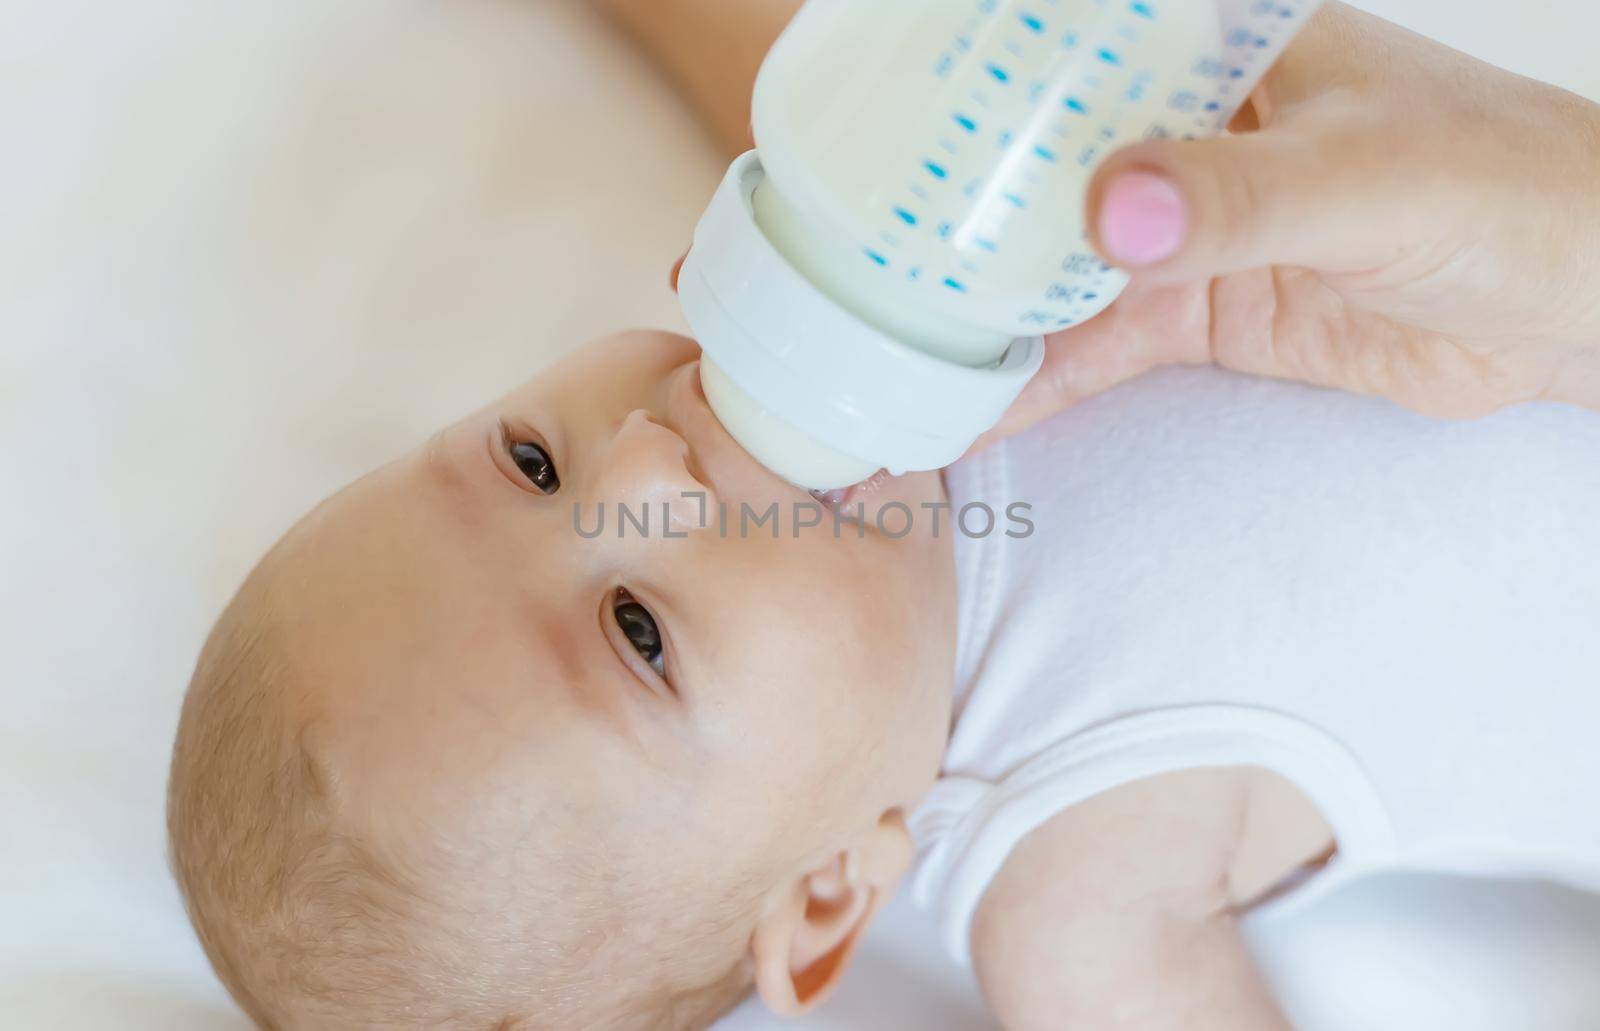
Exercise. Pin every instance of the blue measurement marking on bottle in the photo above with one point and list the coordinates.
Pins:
(1016, 66)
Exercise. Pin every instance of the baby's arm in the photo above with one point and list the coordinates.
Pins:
(1120, 912)
(712, 49)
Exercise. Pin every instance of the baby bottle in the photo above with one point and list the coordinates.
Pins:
(871, 286)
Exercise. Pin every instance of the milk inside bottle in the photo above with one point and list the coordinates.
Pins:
(870, 285)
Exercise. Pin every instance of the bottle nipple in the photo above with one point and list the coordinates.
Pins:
(774, 442)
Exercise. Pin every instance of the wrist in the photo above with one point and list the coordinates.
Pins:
(711, 49)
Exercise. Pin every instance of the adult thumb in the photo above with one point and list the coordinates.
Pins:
(1175, 211)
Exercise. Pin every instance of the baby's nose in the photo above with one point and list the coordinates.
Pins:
(648, 467)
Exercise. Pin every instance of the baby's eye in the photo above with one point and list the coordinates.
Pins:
(640, 627)
(535, 463)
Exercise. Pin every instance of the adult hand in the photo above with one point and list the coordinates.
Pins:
(1390, 217)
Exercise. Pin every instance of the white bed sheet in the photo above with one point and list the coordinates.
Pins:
(250, 250)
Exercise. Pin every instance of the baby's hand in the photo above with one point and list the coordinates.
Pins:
(1407, 222)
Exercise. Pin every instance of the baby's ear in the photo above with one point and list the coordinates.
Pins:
(810, 925)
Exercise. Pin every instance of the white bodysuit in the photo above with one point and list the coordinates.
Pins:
(1401, 616)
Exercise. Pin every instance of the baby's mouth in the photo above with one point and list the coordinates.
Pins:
(843, 497)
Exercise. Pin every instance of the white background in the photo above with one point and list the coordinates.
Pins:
(250, 251)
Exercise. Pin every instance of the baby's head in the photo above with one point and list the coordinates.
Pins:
(452, 759)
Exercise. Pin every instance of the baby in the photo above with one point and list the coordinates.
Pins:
(473, 749)
(579, 718)
(447, 762)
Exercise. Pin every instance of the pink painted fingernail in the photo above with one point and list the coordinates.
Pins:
(1143, 219)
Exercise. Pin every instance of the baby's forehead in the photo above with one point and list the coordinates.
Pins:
(405, 653)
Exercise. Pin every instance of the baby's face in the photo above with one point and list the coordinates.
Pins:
(664, 702)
